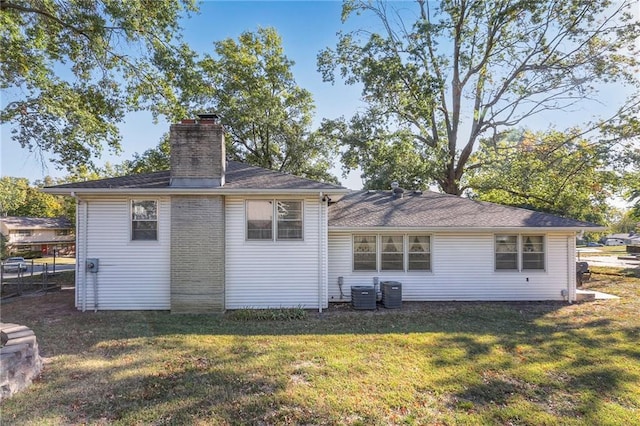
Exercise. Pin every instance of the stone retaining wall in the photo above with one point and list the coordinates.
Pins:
(20, 362)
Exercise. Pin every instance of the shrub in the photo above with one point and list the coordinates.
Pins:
(280, 314)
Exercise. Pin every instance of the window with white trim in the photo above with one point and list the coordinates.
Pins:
(144, 220)
(386, 253)
(532, 252)
(419, 253)
(506, 252)
(260, 220)
(289, 220)
(519, 252)
(364, 253)
(392, 253)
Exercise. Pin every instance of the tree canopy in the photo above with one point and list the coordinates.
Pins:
(554, 172)
(71, 69)
(19, 198)
(440, 76)
(250, 84)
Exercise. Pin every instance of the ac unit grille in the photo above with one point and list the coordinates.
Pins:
(391, 294)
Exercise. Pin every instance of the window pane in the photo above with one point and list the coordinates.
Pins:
(144, 230)
(532, 260)
(144, 220)
(144, 210)
(532, 252)
(506, 261)
(506, 252)
(419, 253)
(392, 255)
(364, 253)
(289, 220)
(259, 220)
(419, 262)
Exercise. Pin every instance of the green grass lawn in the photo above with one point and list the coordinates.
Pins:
(431, 363)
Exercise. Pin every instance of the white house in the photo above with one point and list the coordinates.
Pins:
(211, 235)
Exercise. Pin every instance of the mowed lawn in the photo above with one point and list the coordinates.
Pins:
(430, 363)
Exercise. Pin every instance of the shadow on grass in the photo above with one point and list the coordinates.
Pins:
(154, 367)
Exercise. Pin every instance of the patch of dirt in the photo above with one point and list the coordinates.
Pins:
(46, 307)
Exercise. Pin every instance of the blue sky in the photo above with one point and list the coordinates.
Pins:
(306, 27)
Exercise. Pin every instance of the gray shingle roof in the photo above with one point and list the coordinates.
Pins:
(18, 222)
(238, 176)
(368, 209)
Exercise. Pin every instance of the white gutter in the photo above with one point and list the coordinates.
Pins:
(571, 275)
(192, 191)
(84, 208)
(463, 230)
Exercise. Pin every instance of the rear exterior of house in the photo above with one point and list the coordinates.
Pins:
(207, 236)
(442, 247)
(211, 235)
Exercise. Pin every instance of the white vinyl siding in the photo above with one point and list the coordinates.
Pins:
(462, 268)
(275, 273)
(133, 275)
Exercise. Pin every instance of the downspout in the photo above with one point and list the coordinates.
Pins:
(82, 262)
(320, 251)
(85, 249)
(570, 276)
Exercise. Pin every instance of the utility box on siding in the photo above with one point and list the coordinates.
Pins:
(363, 297)
(391, 294)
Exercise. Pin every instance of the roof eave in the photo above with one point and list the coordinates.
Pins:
(435, 229)
(191, 191)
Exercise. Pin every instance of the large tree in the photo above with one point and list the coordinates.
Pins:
(19, 198)
(554, 172)
(250, 84)
(451, 72)
(71, 69)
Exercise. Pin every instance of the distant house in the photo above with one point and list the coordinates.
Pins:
(41, 234)
(211, 234)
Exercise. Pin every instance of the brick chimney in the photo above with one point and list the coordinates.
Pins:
(197, 153)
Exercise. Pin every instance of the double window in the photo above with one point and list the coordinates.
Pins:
(288, 223)
(519, 252)
(391, 253)
(144, 220)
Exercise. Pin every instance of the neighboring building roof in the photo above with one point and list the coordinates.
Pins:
(16, 222)
(371, 209)
(624, 236)
(238, 176)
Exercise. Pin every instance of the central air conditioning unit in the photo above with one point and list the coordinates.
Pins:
(391, 294)
(363, 297)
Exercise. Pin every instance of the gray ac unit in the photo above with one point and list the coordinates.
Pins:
(363, 297)
(391, 294)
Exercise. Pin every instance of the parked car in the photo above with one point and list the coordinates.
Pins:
(592, 244)
(15, 264)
